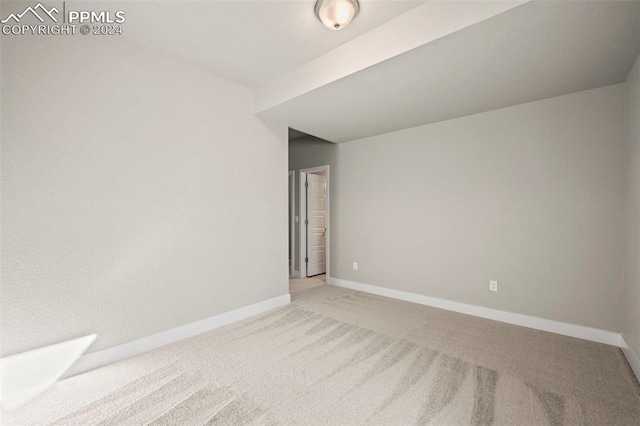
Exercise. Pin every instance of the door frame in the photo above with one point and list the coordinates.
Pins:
(292, 230)
(303, 214)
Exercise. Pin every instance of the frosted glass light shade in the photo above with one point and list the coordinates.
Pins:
(336, 14)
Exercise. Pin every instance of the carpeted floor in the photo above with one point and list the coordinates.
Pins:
(335, 356)
(300, 285)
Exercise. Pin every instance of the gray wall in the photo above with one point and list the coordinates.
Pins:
(140, 193)
(304, 153)
(631, 328)
(529, 195)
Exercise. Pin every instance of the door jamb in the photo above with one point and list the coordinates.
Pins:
(303, 214)
(292, 230)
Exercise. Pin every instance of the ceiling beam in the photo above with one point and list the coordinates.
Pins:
(433, 20)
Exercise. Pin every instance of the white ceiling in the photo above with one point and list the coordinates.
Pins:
(247, 42)
(401, 63)
(534, 51)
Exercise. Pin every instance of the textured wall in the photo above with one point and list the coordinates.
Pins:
(140, 193)
(531, 196)
(631, 329)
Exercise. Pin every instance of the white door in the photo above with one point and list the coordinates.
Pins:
(316, 225)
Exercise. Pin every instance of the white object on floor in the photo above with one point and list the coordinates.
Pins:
(41, 367)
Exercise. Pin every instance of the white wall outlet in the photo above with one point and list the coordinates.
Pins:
(493, 285)
(355, 266)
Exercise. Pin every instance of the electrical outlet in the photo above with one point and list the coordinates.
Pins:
(355, 266)
(493, 285)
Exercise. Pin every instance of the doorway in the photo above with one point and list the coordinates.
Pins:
(315, 230)
(292, 226)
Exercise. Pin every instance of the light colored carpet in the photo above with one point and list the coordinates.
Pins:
(336, 356)
(298, 285)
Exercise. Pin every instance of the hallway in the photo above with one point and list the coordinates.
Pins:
(299, 285)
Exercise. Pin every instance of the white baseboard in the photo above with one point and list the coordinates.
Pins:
(566, 329)
(127, 350)
(632, 357)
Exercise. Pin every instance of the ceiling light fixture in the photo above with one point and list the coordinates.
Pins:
(336, 14)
